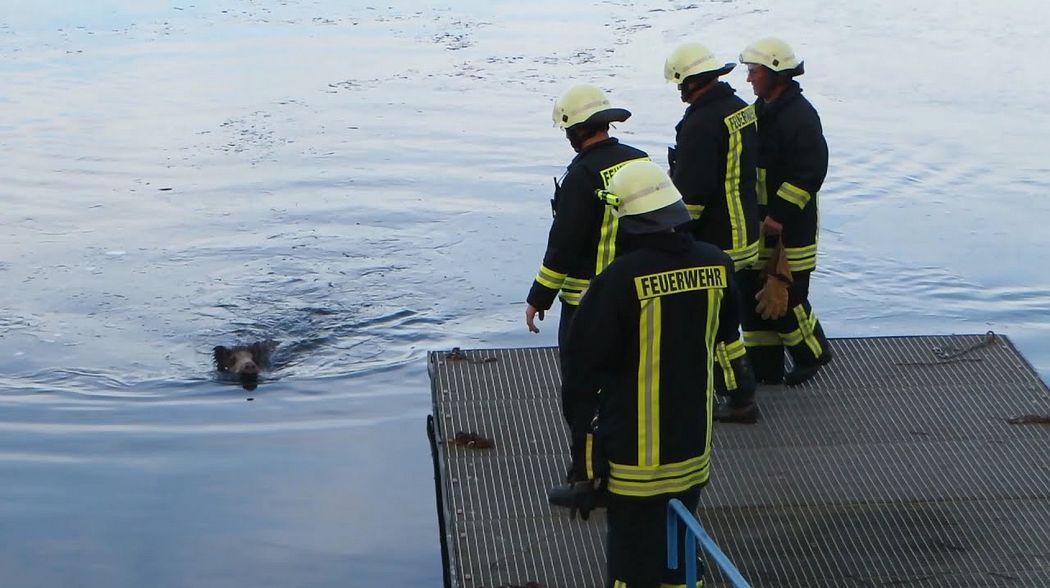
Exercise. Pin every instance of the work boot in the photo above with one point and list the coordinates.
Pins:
(745, 415)
(803, 373)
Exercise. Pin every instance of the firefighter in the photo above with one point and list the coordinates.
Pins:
(713, 166)
(645, 335)
(792, 164)
(582, 239)
(713, 161)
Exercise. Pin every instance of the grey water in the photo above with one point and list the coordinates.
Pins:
(364, 182)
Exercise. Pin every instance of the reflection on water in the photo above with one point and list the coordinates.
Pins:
(365, 182)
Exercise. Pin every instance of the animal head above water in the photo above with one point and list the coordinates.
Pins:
(244, 361)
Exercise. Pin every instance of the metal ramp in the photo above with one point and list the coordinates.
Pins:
(903, 463)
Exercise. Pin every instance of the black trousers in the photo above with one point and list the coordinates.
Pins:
(636, 543)
(567, 312)
(798, 331)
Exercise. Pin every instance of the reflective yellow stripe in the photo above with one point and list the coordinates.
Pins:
(550, 278)
(714, 308)
(735, 349)
(610, 224)
(744, 257)
(590, 453)
(695, 210)
(802, 258)
(741, 119)
(799, 258)
(798, 252)
(633, 473)
(722, 357)
(619, 584)
(794, 194)
(762, 339)
(571, 297)
(725, 354)
(806, 331)
(649, 382)
(655, 362)
(699, 584)
(576, 283)
(760, 187)
(606, 241)
(735, 122)
(791, 338)
(572, 290)
(650, 477)
(657, 487)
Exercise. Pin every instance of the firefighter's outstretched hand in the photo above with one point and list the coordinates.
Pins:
(773, 297)
(531, 314)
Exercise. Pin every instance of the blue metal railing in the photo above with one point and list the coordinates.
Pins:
(677, 514)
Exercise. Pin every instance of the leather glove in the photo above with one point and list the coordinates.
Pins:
(773, 297)
(579, 497)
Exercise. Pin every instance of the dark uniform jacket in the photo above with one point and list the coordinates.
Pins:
(792, 164)
(582, 238)
(716, 147)
(644, 336)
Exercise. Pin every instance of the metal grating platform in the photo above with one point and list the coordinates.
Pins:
(896, 466)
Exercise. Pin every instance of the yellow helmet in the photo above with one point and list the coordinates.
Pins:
(585, 103)
(774, 54)
(691, 59)
(644, 198)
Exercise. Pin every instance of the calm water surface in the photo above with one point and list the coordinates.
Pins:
(366, 182)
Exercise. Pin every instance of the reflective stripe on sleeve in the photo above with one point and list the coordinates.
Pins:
(550, 278)
(802, 258)
(794, 194)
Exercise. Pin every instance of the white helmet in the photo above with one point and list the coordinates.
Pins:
(691, 59)
(585, 103)
(774, 54)
(644, 198)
